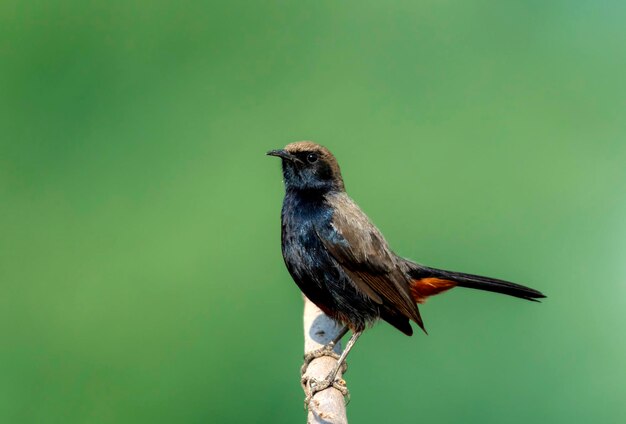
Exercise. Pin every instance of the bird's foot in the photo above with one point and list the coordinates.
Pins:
(326, 350)
(316, 386)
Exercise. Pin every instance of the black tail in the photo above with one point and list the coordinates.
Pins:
(460, 279)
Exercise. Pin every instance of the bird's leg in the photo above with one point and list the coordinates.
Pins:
(326, 350)
(318, 386)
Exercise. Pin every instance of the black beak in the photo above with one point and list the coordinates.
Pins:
(282, 153)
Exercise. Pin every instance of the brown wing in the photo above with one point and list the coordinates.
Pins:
(359, 247)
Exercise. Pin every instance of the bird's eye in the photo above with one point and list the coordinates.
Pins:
(311, 158)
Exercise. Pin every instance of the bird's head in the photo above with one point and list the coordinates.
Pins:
(309, 166)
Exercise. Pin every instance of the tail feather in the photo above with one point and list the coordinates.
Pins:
(430, 281)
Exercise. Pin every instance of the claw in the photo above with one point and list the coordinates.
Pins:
(312, 386)
(326, 350)
(340, 384)
(320, 385)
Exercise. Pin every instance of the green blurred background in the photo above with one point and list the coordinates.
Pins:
(140, 267)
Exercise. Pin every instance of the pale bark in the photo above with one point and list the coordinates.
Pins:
(327, 406)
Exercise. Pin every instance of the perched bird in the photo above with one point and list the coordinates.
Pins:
(342, 262)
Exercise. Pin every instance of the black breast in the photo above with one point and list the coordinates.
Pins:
(313, 269)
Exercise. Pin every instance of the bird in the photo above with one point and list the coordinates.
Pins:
(342, 263)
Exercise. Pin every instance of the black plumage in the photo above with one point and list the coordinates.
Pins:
(342, 262)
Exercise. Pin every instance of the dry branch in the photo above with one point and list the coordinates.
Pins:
(327, 406)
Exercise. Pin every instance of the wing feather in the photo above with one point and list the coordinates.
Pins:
(361, 250)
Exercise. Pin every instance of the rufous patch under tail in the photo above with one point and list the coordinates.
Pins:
(423, 288)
